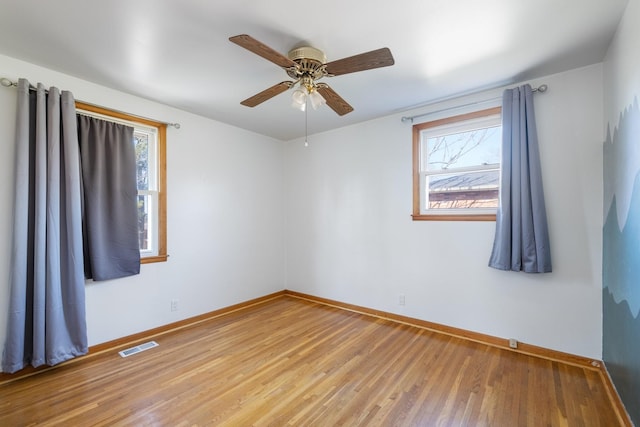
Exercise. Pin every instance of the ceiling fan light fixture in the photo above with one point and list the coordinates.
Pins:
(316, 99)
(299, 99)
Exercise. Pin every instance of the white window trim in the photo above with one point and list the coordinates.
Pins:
(152, 135)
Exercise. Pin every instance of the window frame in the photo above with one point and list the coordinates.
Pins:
(417, 215)
(161, 129)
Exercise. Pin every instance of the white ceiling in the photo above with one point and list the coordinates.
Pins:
(177, 52)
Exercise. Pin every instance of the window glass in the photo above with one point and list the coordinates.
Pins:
(141, 142)
(464, 149)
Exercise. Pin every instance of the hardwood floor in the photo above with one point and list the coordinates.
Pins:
(291, 362)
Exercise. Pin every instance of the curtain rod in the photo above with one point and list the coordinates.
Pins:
(8, 83)
(542, 88)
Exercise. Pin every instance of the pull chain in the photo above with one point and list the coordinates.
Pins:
(306, 123)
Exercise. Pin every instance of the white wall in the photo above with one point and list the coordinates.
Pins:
(350, 236)
(225, 230)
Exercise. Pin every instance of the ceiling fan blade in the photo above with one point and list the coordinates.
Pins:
(334, 100)
(364, 61)
(267, 94)
(263, 50)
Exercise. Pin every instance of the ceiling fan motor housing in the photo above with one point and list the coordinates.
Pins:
(310, 62)
(307, 52)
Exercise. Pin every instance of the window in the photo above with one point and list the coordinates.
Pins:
(456, 167)
(150, 147)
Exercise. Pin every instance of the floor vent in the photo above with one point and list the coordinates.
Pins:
(138, 348)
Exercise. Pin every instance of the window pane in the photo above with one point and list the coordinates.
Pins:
(144, 207)
(464, 149)
(464, 190)
(142, 159)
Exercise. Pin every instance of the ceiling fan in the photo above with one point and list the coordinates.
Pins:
(306, 65)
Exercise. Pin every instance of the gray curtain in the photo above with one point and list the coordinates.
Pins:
(46, 323)
(110, 199)
(522, 237)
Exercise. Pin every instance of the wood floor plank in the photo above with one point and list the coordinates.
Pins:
(292, 362)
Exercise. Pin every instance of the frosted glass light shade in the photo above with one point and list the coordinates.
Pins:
(317, 100)
(299, 99)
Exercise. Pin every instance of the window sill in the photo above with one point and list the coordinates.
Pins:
(152, 259)
(463, 217)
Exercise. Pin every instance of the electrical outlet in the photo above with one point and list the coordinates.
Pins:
(174, 305)
(513, 343)
(401, 299)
